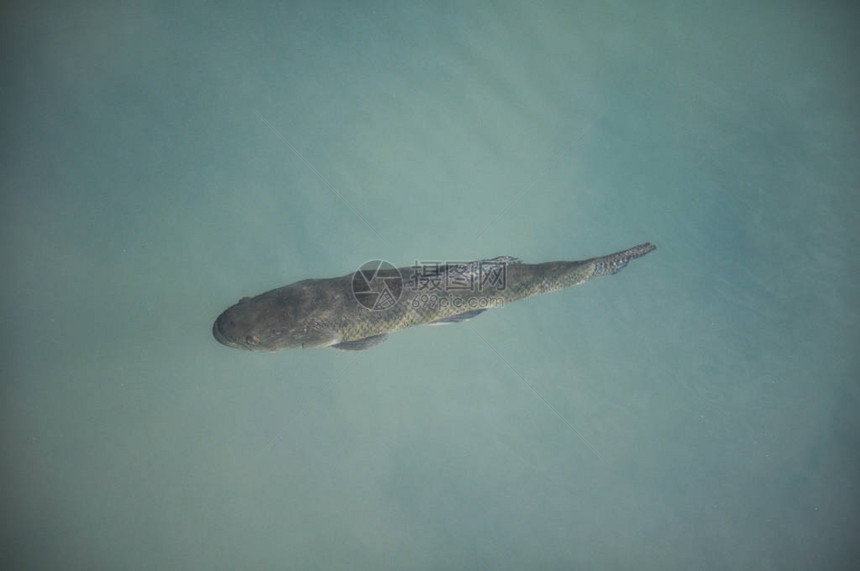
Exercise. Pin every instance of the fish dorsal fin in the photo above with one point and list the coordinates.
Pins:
(499, 260)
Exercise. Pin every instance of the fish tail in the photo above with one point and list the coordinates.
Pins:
(614, 263)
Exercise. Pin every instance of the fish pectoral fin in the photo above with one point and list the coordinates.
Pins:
(361, 344)
(459, 318)
(318, 341)
(318, 335)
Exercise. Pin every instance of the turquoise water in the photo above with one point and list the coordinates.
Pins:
(696, 411)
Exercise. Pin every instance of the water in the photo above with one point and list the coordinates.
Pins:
(697, 410)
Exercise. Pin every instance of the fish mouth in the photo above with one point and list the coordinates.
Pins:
(219, 335)
(250, 342)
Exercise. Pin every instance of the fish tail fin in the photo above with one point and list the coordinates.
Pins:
(614, 263)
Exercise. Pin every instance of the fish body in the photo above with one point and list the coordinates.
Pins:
(357, 311)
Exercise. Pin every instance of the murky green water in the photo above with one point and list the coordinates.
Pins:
(698, 410)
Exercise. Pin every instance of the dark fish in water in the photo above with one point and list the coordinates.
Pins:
(359, 310)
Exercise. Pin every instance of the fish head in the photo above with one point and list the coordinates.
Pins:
(271, 321)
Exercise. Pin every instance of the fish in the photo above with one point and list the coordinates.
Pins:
(359, 310)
